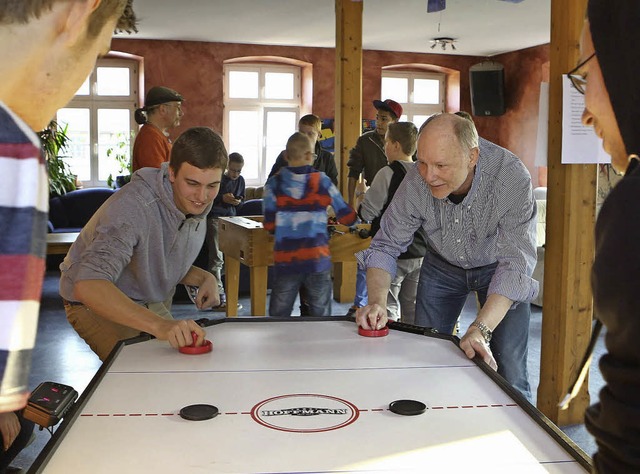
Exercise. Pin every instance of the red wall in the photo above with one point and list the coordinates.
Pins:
(195, 70)
(524, 71)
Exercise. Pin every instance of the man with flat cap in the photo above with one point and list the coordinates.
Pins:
(162, 110)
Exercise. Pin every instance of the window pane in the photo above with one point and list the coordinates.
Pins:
(418, 120)
(396, 88)
(79, 149)
(244, 135)
(278, 85)
(280, 126)
(113, 133)
(113, 81)
(426, 91)
(243, 84)
(84, 88)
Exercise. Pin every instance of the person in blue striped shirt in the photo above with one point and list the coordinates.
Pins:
(474, 200)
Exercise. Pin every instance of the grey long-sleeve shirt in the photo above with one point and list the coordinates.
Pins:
(494, 223)
(138, 240)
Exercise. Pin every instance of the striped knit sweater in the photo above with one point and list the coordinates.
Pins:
(24, 203)
(295, 209)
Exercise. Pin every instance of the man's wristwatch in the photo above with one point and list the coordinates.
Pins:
(484, 330)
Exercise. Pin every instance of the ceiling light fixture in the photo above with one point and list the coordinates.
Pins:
(443, 42)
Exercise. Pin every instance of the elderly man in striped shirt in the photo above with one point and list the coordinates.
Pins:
(475, 202)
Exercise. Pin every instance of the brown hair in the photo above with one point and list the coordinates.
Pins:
(404, 133)
(236, 157)
(311, 120)
(200, 147)
(22, 11)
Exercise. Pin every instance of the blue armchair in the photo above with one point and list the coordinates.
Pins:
(70, 212)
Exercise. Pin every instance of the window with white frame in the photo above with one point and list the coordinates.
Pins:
(421, 94)
(99, 121)
(262, 107)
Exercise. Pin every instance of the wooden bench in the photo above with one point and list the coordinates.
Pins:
(60, 243)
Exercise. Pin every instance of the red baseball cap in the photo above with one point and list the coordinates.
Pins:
(390, 106)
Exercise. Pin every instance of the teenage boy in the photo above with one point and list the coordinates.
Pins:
(231, 195)
(367, 158)
(120, 274)
(297, 199)
(311, 126)
(399, 146)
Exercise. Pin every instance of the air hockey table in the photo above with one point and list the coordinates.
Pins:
(304, 395)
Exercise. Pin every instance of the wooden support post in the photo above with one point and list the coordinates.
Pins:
(348, 110)
(567, 305)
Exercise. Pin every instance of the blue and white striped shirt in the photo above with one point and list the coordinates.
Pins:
(496, 222)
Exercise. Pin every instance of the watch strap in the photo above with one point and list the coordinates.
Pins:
(484, 330)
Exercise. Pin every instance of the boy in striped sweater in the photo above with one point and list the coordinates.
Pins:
(295, 205)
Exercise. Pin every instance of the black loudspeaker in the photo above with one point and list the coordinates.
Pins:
(487, 89)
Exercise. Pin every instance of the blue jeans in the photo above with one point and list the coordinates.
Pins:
(442, 292)
(362, 296)
(285, 290)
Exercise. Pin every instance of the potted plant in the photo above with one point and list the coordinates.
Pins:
(55, 141)
(121, 153)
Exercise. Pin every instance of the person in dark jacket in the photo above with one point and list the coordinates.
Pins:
(368, 156)
(311, 125)
(608, 76)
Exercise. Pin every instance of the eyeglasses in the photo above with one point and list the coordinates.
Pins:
(579, 81)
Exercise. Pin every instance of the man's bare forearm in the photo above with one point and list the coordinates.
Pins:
(378, 284)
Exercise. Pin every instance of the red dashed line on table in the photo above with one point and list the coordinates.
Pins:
(453, 407)
(448, 407)
(129, 414)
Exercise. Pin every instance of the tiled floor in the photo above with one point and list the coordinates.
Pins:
(61, 356)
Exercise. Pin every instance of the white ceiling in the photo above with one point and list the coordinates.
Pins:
(480, 27)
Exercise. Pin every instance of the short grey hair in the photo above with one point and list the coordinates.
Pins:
(463, 128)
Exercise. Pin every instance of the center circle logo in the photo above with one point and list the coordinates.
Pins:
(305, 413)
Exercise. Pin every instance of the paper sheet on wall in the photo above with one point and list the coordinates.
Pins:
(580, 144)
(542, 139)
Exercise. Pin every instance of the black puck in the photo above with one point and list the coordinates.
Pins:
(199, 412)
(407, 407)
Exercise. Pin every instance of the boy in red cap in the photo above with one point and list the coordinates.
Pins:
(368, 157)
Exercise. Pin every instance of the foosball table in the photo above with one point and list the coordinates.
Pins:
(244, 240)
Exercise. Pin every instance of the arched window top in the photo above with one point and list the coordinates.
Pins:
(262, 60)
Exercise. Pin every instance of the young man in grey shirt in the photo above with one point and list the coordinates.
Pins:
(119, 276)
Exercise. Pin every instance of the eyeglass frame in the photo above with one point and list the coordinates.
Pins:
(577, 80)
